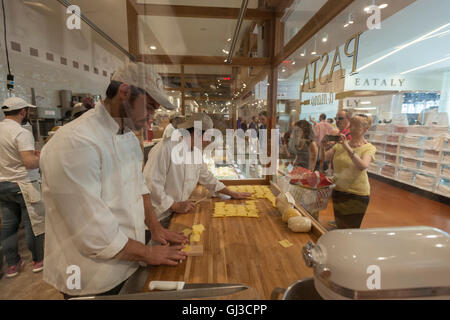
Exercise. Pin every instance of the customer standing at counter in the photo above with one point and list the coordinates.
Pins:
(351, 159)
(172, 181)
(20, 191)
(303, 145)
(96, 199)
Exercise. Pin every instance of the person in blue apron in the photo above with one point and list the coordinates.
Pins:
(20, 188)
(97, 203)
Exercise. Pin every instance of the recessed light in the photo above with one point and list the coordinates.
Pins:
(229, 39)
(152, 47)
(382, 6)
(313, 53)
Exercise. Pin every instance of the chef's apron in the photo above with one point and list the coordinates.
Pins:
(32, 195)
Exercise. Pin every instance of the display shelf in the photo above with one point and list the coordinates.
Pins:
(417, 158)
(388, 153)
(425, 172)
(417, 147)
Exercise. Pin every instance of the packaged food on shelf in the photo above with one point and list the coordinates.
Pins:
(446, 157)
(391, 148)
(390, 159)
(379, 156)
(433, 143)
(429, 166)
(444, 189)
(388, 171)
(431, 155)
(400, 129)
(446, 171)
(410, 163)
(405, 176)
(412, 140)
(378, 146)
(422, 130)
(377, 137)
(392, 138)
(408, 151)
(424, 181)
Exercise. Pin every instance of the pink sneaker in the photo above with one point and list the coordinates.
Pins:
(38, 266)
(13, 271)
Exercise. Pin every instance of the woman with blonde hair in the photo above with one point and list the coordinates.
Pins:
(351, 159)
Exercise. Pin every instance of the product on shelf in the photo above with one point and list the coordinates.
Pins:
(379, 156)
(424, 181)
(408, 152)
(388, 171)
(410, 163)
(429, 166)
(446, 172)
(405, 176)
(377, 137)
(411, 140)
(431, 155)
(392, 139)
(433, 143)
(444, 189)
(447, 158)
(391, 159)
(391, 148)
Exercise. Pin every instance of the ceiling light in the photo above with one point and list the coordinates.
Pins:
(369, 8)
(152, 47)
(382, 6)
(325, 37)
(349, 20)
(363, 109)
(303, 53)
(315, 46)
(229, 39)
(403, 47)
(426, 65)
(293, 62)
(225, 51)
(366, 102)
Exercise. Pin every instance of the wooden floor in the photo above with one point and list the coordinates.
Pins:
(391, 207)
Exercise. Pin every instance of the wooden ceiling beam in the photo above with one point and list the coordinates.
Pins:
(326, 14)
(199, 12)
(201, 60)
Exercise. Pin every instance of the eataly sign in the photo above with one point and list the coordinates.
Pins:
(336, 64)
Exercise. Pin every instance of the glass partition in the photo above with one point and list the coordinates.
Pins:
(389, 63)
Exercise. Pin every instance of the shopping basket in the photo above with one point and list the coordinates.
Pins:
(311, 199)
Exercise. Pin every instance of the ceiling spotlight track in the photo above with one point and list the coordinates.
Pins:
(237, 30)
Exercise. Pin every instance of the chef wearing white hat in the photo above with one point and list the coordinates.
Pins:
(96, 199)
(171, 182)
(20, 192)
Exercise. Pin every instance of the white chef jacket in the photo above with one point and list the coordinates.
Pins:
(13, 140)
(92, 189)
(168, 131)
(169, 182)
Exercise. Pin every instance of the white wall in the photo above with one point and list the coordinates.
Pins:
(46, 31)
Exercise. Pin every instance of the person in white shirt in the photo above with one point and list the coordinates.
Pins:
(171, 180)
(175, 120)
(20, 197)
(97, 203)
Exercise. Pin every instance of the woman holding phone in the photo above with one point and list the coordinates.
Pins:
(351, 159)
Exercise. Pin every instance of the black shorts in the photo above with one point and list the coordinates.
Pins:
(349, 209)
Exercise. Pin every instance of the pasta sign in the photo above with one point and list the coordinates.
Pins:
(335, 65)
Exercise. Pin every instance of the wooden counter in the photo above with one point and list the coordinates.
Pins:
(239, 250)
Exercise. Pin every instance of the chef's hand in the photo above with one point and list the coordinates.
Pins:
(165, 236)
(240, 195)
(182, 207)
(167, 255)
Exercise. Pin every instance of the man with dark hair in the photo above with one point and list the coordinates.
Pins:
(172, 176)
(96, 199)
(20, 194)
